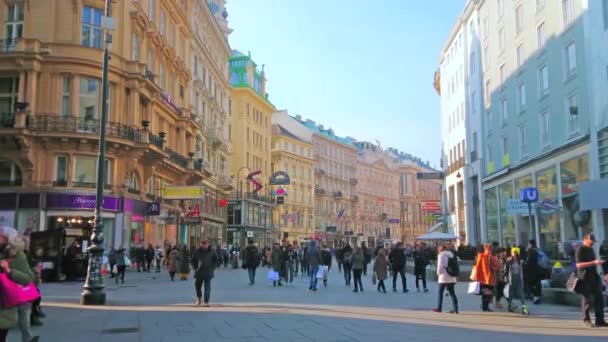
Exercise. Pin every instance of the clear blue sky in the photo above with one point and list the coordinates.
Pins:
(363, 68)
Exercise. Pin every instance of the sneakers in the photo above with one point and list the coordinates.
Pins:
(601, 324)
(206, 305)
(436, 310)
(454, 312)
(524, 310)
(197, 301)
(426, 290)
(536, 300)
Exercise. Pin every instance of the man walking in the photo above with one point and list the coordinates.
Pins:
(149, 257)
(313, 260)
(591, 289)
(140, 257)
(534, 271)
(251, 260)
(204, 262)
(445, 280)
(397, 260)
(420, 263)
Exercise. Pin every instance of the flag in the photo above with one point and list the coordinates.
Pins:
(341, 213)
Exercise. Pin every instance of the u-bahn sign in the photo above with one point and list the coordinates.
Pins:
(280, 178)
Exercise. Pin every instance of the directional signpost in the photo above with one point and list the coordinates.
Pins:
(529, 195)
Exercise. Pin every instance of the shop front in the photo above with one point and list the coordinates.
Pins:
(249, 219)
(21, 211)
(557, 219)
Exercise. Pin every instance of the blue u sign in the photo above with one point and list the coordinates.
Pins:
(528, 195)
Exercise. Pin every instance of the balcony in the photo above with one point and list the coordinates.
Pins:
(7, 120)
(319, 172)
(353, 181)
(354, 198)
(169, 102)
(157, 141)
(319, 190)
(216, 138)
(177, 158)
(226, 183)
(8, 45)
(71, 124)
(338, 194)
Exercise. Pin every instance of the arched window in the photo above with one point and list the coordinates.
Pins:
(10, 174)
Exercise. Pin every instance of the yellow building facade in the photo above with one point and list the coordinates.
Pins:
(250, 120)
(52, 65)
(293, 154)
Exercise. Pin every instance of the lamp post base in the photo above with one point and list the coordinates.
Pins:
(93, 297)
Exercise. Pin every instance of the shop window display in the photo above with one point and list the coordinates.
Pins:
(523, 221)
(492, 215)
(576, 222)
(548, 214)
(507, 223)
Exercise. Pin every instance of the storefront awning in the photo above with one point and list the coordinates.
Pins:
(593, 194)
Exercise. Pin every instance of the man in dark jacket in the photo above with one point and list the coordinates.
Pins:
(326, 261)
(140, 257)
(251, 260)
(420, 263)
(347, 263)
(339, 254)
(534, 271)
(204, 262)
(367, 257)
(149, 256)
(397, 260)
(313, 259)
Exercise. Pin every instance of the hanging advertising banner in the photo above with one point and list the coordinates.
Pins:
(183, 192)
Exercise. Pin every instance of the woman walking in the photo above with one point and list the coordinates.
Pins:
(120, 264)
(381, 269)
(484, 272)
(358, 260)
(14, 263)
(445, 280)
(514, 278)
(172, 262)
(184, 263)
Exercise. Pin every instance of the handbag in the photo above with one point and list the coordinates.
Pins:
(14, 294)
(507, 291)
(574, 283)
(272, 275)
(127, 261)
(320, 273)
(474, 288)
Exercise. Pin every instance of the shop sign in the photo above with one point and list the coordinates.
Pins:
(331, 229)
(431, 206)
(516, 207)
(183, 192)
(280, 178)
(393, 220)
(71, 201)
(153, 209)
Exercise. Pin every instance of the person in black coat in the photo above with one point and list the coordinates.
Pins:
(140, 257)
(204, 262)
(347, 263)
(251, 260)
(326, 261)
(367, 257)
(149, 257)
(397, 260)
(420, 263)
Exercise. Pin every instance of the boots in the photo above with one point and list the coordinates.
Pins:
(35, 321)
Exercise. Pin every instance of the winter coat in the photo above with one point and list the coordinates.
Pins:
(346, 251)
(358, 260)
(420, 262)
(397, 259)
(508, 276)
(21, 273)
(251, 256)
(204, 262)
(326, 257)
(313, 257)
(184, 261)
(485, 270)
(173, 261)
(339, 254)
(367, 255)
(275, 257)
(381, 267)
(119, 257)
(442, 274)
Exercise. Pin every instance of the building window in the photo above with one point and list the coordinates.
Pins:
(133, 182)
(505, 146)
(10, 174)
(487, 93)
(572, 114)
(567, 12)
(521, 92)
(605, 11)
(571, 58)
(162, 22)
(501, 40)
(500, 4)
(545, 133)
(85, 171)
(519, 19)
(91, 27)
(9, 90)
(61, 171)
(543, 75)
(151, 9)
(502, 75)
(540, 4)
(89, 99)
(505, 113)
(541, 36)
(520, 55)
(66, 91)
(14, 23)
(134, 47)
(523, 140)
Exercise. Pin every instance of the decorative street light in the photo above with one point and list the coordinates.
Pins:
(468, 165)
(93, 293)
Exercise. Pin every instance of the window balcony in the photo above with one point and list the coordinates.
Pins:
(338, 194)
(319, 190)
(78, 125)
(353, 181)
(8, 45)
(319, 172)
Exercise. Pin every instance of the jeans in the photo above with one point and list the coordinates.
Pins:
(312, 275)
(112, 269)
(347, 274)
(487, 292)
(251, 271)
(198, 283)
(358, 282)
(158, 262)
(534, 285)
(381, 285)
(339, 266)
(148, 264)
(120, 273)
(450, 288)
(24, 311)
(3, 333)
(396, 272)
(592, 296)
(421, 275)
(141, 264)
(296, 267)
(364, 268)
(289, 272)
(500, 289)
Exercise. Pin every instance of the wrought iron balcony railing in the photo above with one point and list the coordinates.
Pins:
(177, 158)
(71, 124)
(8, 45)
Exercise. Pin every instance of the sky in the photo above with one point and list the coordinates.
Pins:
(363, 68)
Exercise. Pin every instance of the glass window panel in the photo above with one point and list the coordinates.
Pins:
(85, 169)
(525, 234)
(492, 215)
(507, 222)
(548, 217)
(9, 32)
(19, 31)
(574, 172)
(62, 165)
(97, 38)
(96, 17)
(86, 36)
(86, 14)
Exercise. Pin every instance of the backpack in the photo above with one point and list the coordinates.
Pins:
(453, 269)
(543, 260)
(348, 258)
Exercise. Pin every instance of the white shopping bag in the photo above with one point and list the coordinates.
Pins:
(272, 275)
(473, 288)
(321, 272)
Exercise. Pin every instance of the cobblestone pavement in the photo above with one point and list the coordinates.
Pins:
(149, 307)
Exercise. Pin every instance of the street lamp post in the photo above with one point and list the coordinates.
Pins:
(93, 293)
(474, 202)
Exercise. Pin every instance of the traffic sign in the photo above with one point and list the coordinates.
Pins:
(430, 175)
(516, 207)
(528, 195)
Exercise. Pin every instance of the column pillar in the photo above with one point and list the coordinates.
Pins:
(32, 87)
(74, 95)
(22, 82)
(133, 108)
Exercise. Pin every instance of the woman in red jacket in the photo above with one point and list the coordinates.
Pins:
(484, 272)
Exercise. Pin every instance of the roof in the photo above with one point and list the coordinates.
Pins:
(327, 133)
(283, 131)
